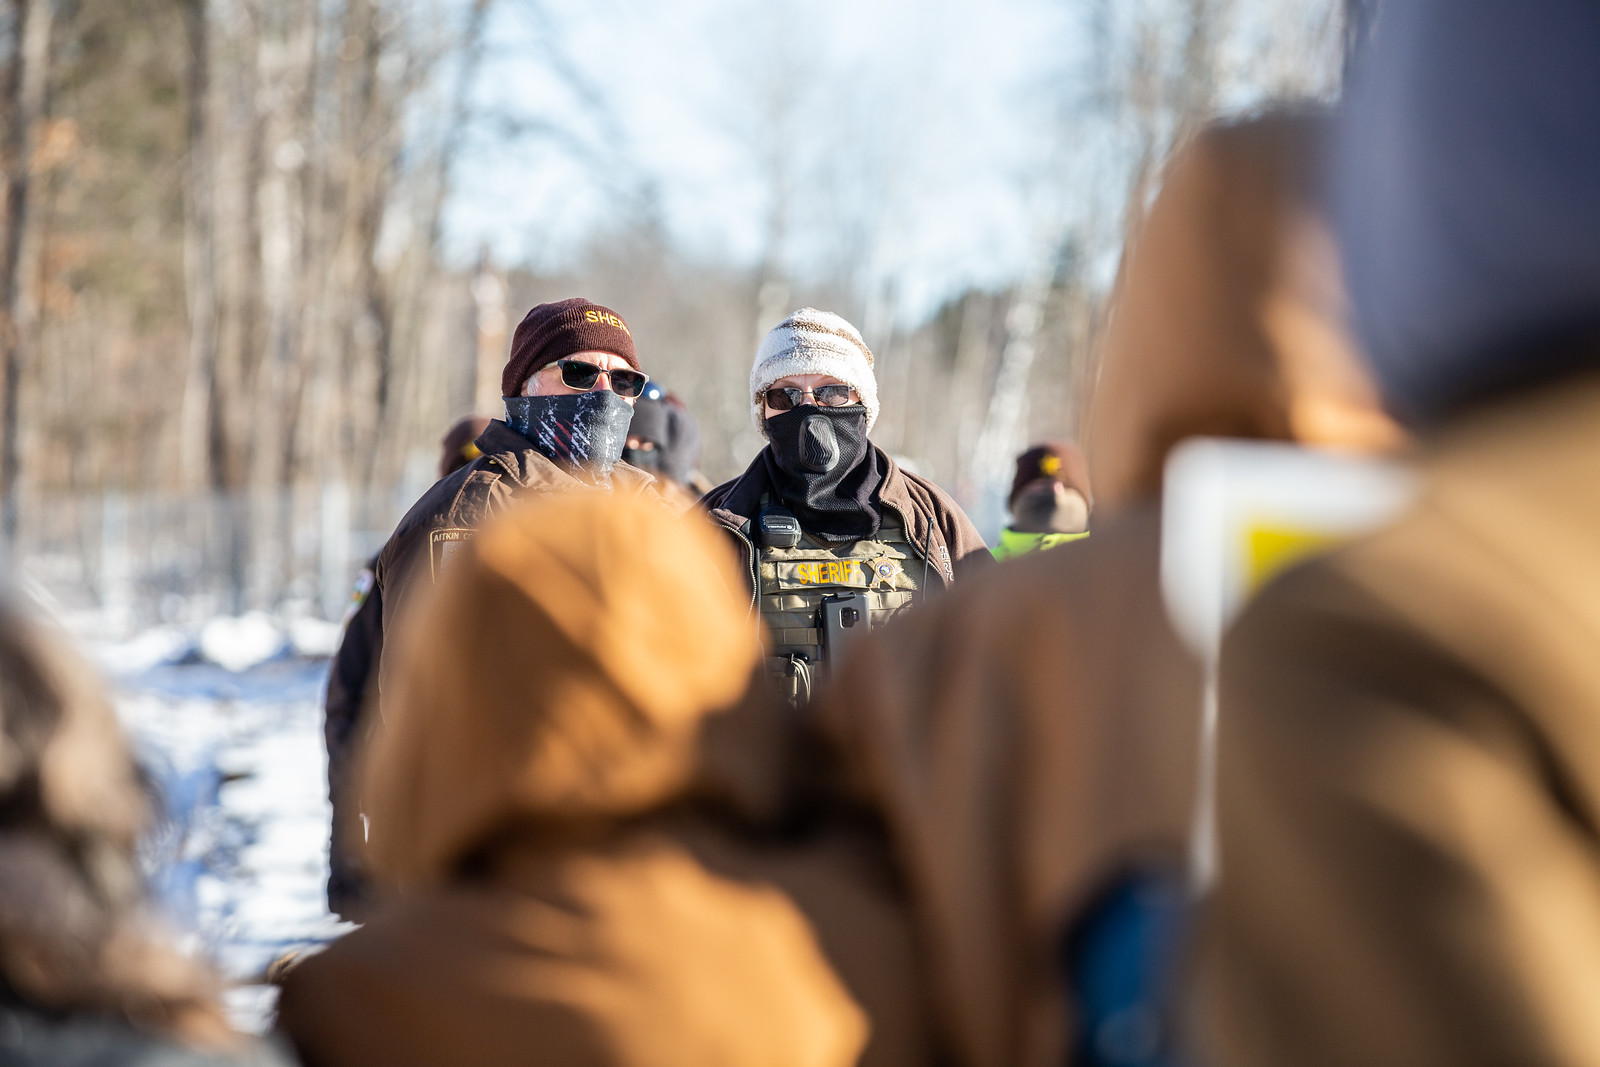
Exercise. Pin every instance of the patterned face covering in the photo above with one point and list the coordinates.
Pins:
(825, 470)
(586, 431)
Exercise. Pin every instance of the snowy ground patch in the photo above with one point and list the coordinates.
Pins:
(240, 863)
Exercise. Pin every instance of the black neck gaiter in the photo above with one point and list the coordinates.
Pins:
(584, 432)
(1047, 506)
(825, 470)
(644, 459)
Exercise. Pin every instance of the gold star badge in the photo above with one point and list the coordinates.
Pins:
(883, 569)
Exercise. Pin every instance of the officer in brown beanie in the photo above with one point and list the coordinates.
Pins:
(569, 387)
(1050, 500)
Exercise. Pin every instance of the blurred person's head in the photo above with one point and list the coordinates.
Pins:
(457, 447)
(558, 798)
(1466, 178)
(611, 603)
(1229, 317)
(663, 437)
(75, 936)
(571, 382)
(1050, 490)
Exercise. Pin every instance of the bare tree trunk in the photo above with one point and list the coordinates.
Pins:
(489, 299)
(966, 380)
(1005, 426)
(202, 459)
(1197, 88)
(1360, 20)
(239, 152)
(405, 297)
(289, 185)
(22, 97)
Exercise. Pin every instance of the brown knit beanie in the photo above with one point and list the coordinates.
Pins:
(554, 331)
(1059, 461)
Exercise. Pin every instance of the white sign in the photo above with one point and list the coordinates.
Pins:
(1235, 513)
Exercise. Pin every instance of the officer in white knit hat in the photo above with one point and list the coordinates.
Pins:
(836, 537)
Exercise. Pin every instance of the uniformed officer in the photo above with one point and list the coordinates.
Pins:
(1050, 500)
(836, 536)
(569, 387)
(665, 440)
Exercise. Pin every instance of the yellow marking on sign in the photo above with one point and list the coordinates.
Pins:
(1273, 549)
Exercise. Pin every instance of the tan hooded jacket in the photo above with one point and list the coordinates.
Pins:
(1410, 798)
(445, 517)
(571, 808)
(1033, 736)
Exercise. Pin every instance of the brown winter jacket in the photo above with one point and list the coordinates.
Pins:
(573, 806)
(446, 516)
(1410, 798)
(1033, 736)
(955, 549)
(1028, 738)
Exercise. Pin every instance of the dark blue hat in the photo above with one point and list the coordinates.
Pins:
(1467, 185)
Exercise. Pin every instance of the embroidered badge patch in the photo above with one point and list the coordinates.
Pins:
(443, 544)
(358, 595)
(832, 572)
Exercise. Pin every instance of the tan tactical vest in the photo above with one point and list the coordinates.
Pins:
(794, 581)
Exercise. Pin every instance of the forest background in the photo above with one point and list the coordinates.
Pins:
(255, 255)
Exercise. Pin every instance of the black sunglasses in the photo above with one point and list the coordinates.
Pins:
(786, 398)
(576, 374)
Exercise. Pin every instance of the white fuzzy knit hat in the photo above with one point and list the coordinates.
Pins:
(813, 342)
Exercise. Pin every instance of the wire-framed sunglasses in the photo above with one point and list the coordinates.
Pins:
(788, 397)
(576, 374)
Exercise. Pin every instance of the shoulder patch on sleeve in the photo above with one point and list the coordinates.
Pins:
(443, 544)
(358, 594)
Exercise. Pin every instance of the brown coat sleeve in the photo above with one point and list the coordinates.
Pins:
(350, 681)
(1403, 879)
(1026, 738)
(953, 531)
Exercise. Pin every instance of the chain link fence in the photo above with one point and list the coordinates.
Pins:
(142, 559)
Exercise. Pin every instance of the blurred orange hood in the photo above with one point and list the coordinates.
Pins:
(1229, 317)
(556, 677)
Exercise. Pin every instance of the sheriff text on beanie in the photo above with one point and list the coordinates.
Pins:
(554, 331)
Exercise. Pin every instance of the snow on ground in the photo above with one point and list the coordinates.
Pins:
(240, 862)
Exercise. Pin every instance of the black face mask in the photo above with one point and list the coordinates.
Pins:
(644, 459)
(825, 470)
(585, 431)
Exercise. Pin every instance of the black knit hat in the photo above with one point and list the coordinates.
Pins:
(1059, 461)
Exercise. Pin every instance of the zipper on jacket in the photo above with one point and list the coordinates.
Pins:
(750, 555)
